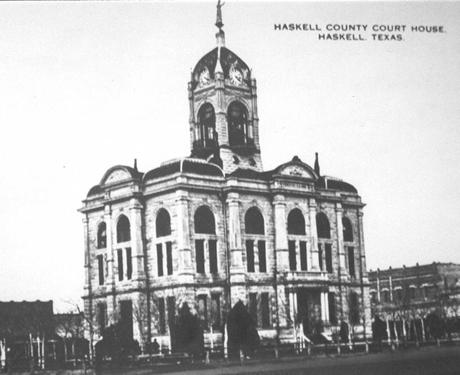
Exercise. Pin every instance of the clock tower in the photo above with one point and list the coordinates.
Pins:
(224, 125)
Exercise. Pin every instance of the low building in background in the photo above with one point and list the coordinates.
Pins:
(32, 336)
(409, 298)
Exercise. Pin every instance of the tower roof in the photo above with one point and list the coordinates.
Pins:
(228, 61)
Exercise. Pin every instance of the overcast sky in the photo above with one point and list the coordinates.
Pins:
(85, 86)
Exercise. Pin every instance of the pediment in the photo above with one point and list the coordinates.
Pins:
(115, 175)
(296, 168)
(296, 171)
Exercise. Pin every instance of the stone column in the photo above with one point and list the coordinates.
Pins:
(109, 245)
(137, 249)
(362, 251)
(340, 247)
(314, 254)
(220, 110)
(234, 231)
(390, 282)
(183, 234)
(237, 272)
(281, 241)
(87, 286)
(324, 307)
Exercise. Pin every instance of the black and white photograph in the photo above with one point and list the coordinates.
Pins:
(230, 187)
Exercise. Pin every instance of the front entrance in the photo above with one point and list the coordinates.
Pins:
(309, 311)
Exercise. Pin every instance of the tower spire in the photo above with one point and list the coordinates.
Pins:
(219, 22)
(220, 36)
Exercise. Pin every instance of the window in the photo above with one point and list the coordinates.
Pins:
(412, 294)
(265, 310)
(120, 264)
(296, 222)
(100, 267)
(253, 307)
(169, 260)
(373, 297)
(332, 308)
(199, 254)
(385, 296)
(320, 256)
(213, 257)
(204, 221)
(101, 316)
(254, 221)
(239, 130)
(292, 256)
(262, 256)
(354, 308)
(160, 259)
(303, 255)
(351, 262)
(206, 125)
(123, 229)
(163, 223)
(102, 236)
(328, 251)
(250, 255)
(215, 311)
(129, 264)
(254, 225)
(347, 230)
(203, 310)
(161, 316)
(398, 295)
(322, 226)
(126, 320)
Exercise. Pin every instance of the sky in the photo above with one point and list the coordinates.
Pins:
(88, 85)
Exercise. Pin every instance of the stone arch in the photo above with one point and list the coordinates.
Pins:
(163, 223)
(123, 229)
(296, 222)
(102, 235)
(254, 221)
(322, 225)
(347, 229)
(240, 131)
(206, 124)
(204, 221)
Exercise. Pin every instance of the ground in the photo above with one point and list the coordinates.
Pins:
(424, 361)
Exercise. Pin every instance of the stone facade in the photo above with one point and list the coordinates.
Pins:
(214, 228)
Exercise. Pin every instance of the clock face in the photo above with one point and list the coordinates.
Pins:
(204, 77)
(236, 76)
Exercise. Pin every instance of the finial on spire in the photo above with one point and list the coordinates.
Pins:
(135, 165)
(219, 22)
(317, 164)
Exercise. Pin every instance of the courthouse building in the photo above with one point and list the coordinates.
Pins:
(216, 228)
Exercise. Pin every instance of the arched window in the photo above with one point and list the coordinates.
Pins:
(239, 129)
(102, 236)
(205, 128)
(296, 222)
(347, 230)
(204, 221)
(254, 221)
(322, 225)
(123, 229)
(354, 308)
(163, 223)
